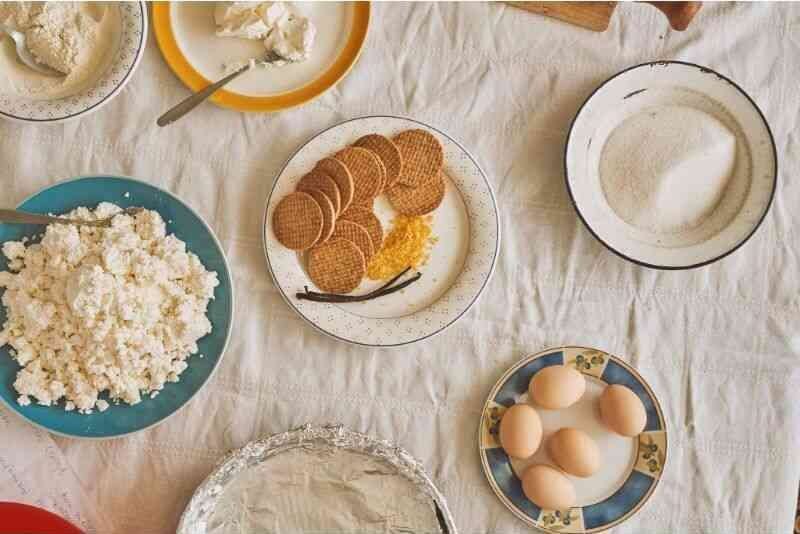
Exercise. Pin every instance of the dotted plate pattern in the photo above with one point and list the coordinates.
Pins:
(133, 21)
(484, 241)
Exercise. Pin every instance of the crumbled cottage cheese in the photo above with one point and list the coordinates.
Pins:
(116, 309)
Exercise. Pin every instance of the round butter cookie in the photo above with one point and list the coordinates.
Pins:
(328, 215)
(321, 181)
(387, 152)
(366, 170)
(297, 221)
(367, 219)
(337, 266)
(356, 234)
(422, 155)
(341, 175)
(418, 200)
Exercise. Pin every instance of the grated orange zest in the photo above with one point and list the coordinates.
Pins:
(407, 245)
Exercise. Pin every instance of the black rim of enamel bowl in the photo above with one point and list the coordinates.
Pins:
(673, 267)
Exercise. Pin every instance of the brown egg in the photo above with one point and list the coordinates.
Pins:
(575, 452)
(548, 487)
(622, 411)
(557, 387)
(520, 431)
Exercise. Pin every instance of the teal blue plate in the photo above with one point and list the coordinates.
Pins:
(122, 419)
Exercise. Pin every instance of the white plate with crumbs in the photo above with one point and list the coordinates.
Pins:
(461, 254)
(671, 165)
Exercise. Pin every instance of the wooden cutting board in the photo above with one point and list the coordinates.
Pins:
(596, 16)
(593, 16)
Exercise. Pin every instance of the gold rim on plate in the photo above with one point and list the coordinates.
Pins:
(165, 36)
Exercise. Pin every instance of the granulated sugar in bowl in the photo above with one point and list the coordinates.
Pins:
(670, 165)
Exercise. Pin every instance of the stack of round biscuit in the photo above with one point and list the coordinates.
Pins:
(331, 215)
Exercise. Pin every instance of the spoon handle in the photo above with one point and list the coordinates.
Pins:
(21, 217)
(194, 100)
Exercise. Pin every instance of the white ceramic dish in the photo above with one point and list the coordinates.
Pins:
(744, 204)
(186, 34)
(130, 43)
(630, 467)
(460, 265)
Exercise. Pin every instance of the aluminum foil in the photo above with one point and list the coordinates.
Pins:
(321, 479)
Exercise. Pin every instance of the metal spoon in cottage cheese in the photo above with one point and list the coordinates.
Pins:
(22, 217)
(25, 55)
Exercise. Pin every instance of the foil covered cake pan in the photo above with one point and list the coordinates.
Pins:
(318, 479)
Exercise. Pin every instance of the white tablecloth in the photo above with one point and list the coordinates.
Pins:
(720, 345)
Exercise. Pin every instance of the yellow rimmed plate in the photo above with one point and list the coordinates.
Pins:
(185, 34)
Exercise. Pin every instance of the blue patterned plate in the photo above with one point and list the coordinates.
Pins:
(630, 468)
(187, 225)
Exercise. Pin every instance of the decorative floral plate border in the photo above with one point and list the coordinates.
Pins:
(645, 473)
(479, 265)
(131, 48)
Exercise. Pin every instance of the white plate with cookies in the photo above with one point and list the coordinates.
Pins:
(381, 231)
